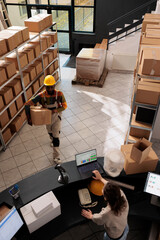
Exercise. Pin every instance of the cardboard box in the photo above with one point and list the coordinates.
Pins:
(152, 33)
(50, 69)
(56, 65)
(35, 47)
(23, 116)
(41, 80)
(4, 210)
(3, 75)
(32, 72)
(147, 94)
(40, 116)
(29, 93)
(151, 16)
(9, 67)
(26, 79)
(19, 102)
(1, 103)
(149, 41)
(3, 47)
(56, 76)
(22, 58)
(140, 133)
(12, 110)
(35, 86)
(45, 60)
(16, 86)
(53, 36)
(49, 42)
(152, 26)
(38, 66)
(7, 94)
(55, 53)
(23, 30)
(29, 53)
(140, 150)
(7, 134)
(19, 36)
(50, 55)
(10, 38)
(132, 167)
(34, 25)
(4, 118)
(16, 124)
(41, 41)
(149, 21)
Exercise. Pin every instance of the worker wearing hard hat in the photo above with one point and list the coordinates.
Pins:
(55, 101)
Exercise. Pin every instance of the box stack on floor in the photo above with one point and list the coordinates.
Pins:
(37, 55)
(146, 79)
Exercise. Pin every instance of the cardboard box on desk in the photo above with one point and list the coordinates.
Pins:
(40, 116)
(140, 150)
(132, 167)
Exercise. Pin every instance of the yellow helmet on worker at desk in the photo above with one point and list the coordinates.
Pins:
(49, 80)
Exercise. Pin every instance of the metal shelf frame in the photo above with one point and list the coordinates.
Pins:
(20, 73)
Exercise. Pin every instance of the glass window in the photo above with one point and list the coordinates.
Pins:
(35, 11)
(84, 2)
(20, 12)
(60, 2)
(61, 18)
(37, 2)
(63, 41)
(83, 19)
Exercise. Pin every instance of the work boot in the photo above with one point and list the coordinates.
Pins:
(56, 155)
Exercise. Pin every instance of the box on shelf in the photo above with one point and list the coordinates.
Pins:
(16, 86)
(19, 102)
(7, 94)
(22, 58)
(48, 39)
(7, 134)
(10, 37)
(56, 76)
(152, 26)
(38, 66)
(140, 150)
(35, 86)
(41, 80)
(23, 30)
(3, 75)
(152, 16)
(149, 21)
(9, 67)
(152, 33)
(56, 65)
(4, 118)
(53, 36)
(16, 124)
(140, 133)
(29, 93)
(41, 41)
(35, 47)
(12, 110)
(150, 41)
(90, 63)
(50, 56)
(132, 167)
(32, 72)
(1, 103)
(40, 116)
(45, 60)
(19, 36)
(3, 47)
(23, 116)
(29, 53)
(54, 53)
(50, 69)
(26, 79)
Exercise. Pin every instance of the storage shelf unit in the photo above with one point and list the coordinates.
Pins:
(4, 144)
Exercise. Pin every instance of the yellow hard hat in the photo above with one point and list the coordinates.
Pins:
(49, 80)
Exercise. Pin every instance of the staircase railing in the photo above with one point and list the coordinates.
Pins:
(124, 19)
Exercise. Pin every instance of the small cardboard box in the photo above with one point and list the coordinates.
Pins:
(55, 64)
(3, 75)
(23, 116)
(22, 58)
(149, 21)
(29, 53)
(35, 86)
(152, 16)
(7, 94)
(41, 80)
(29, 93)
(50, 69)
(56, 76)
(150, 41)
(132, 167)
(10, 37)
(50, 56)
(15, 84)
(9, 67)
(49, 43)
(45, 60)
(1, 102)
(55, 53)
(41, 41)
(19, 36)
(4, 118)
(19, 102)
(32, 72)
(26, 79)
(147, 94)
(53, 36)
(152, 33)
(40, 116)
(140, 133)
(35, 47)
(140, 150)
(7, 134)
(24, 31)
(152, 26)
(3, 47)
(12, 110)
(16, 124)
(38, 66)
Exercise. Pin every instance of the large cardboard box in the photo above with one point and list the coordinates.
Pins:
(16, 124)
(90, 63)
(35, 86)
(133, 167)
(34, 25)
(19, 102)
(29, 93)
(147, 94)
(1, 103)
(35, 47)
(12, 110)
(16, 86)
(140, 150)
(41, 80)
(10, 37)
(9, 67)
(32, 72)
(7, 134)
(40, 116)
(53, 36)
(3, 76)
(4, 118)
(19, 36)
(7, 94)
(22, 58)
(23, 30)
(38, 66)
(3, 47)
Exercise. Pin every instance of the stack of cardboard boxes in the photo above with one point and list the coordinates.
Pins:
(139, 157)
(33, 56)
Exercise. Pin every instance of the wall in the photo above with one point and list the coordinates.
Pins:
(106, 11)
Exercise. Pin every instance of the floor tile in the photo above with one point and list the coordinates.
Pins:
(73, 119)
(22, 158)
(8, 164)
(45, 139)
(12, 176)
(81, 146)
(47, 148)
(5, 154)
(89, 122)
(78, 126)
(67, 130)
(83, 115)
(92, 141)
(74, 137)
(16, 140)
(42, 163)
(26, 136)
(27, 169)
(64, 142)
(68, 151)
(31, 144)
(36, 153)
(37, 132)
(84, 133)
(18, 149)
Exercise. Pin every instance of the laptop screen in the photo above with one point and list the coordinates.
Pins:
(152, 185)
(86, 157)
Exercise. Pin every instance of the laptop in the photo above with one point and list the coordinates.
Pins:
(87, 162)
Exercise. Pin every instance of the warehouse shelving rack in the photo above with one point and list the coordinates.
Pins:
(3, 145)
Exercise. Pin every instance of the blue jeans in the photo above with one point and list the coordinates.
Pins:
(123, 237)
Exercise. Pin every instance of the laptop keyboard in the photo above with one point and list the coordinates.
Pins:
(89, 167)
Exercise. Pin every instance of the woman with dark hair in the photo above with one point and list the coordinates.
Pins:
(114, 215)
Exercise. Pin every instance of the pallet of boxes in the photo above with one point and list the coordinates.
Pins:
(20, 80)
(139, 157)
(90, 65)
